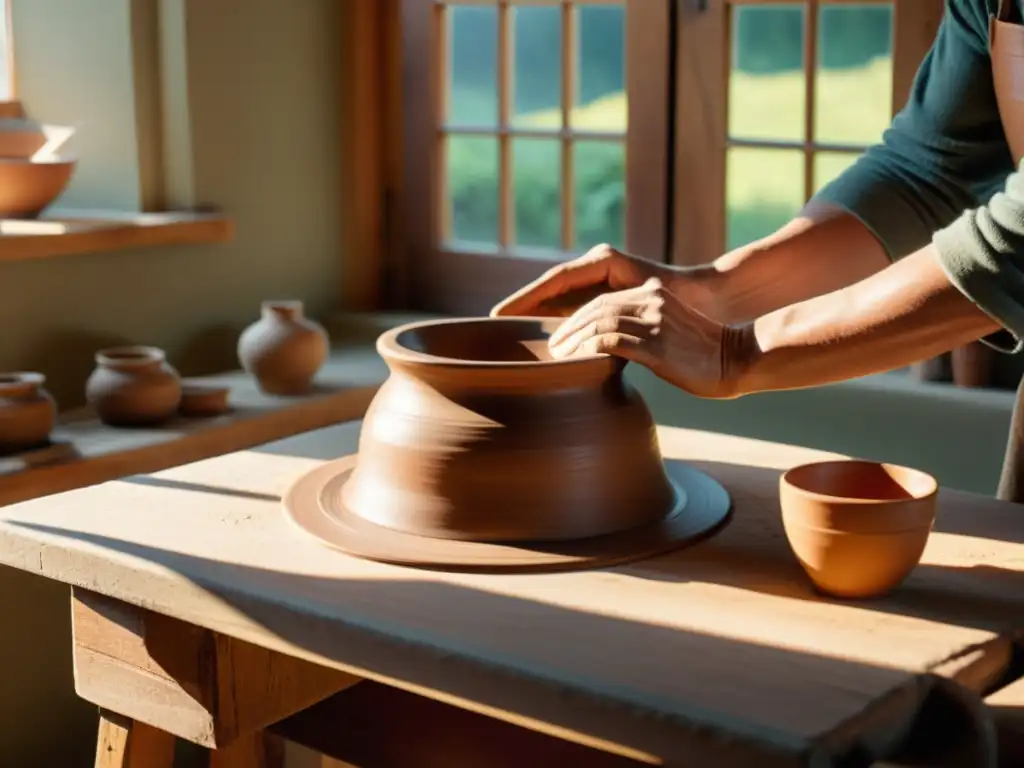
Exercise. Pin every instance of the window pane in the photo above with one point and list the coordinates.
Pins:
(600, 171)
(828, 165)
(537, 66)
(600, 99)
(766, 79)
(764, 190)
(853, 93)
(472, 185)
(537, 165)
(473, 66)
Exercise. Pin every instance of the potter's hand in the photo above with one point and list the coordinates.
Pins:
(562, 290)
(651, 325)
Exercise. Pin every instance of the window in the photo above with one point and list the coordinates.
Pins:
(787, 95)
(541, 129)
(535, 129)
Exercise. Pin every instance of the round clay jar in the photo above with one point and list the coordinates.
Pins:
(284, 349)
(133, 387)
(478, 435)
(27, 412)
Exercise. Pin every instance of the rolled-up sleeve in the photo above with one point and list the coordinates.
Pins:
(940, 174)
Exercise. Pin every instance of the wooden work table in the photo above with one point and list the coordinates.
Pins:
(716, 655)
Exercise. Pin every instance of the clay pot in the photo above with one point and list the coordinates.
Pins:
(200, 399)
(27, 412)
(858, 528)
(133, 386)
(28, 187)
(283, 349)
(478, 435)
(973, 365)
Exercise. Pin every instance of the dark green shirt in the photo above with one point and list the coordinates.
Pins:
(943, 172)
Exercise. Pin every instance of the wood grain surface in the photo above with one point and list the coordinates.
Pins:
(719, 653)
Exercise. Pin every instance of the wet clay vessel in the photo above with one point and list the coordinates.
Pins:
(858, 528)
(480, 451)
(27, 412)
(284, 349)
(133, 387)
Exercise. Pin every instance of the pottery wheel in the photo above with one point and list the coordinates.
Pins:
(314, 503)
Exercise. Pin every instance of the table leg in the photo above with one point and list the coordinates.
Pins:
(257, 750)
(124, 743)
(212, 690)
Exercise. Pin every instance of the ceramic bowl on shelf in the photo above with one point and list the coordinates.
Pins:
(858, 528)
(27, 412)
(29, 187)
(202, 399)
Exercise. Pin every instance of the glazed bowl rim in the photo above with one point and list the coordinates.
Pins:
(389, 347)
(130, 354)
(932, 484)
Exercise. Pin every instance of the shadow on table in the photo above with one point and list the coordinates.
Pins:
(560, 666)
(752, 553)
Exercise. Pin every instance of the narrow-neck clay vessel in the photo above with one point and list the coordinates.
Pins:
(284, 349)
(133, 387)
(478, 435)
(27, 412)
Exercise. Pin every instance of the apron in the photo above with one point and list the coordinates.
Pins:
(1006, 49)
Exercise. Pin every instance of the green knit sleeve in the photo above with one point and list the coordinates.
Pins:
(936, 175)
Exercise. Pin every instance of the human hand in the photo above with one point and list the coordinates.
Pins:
(565, 288)
(650, 325)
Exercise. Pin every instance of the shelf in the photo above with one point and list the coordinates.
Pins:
(67, 232)
(86, 452)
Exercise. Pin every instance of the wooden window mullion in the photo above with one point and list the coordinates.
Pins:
(701, 121)
(810, 57)
(506, 180)
(570, 63)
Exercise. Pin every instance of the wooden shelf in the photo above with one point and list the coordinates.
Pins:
(86, 452)
(67, 232)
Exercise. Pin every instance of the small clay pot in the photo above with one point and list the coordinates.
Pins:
(974, 365)
(858, 528)
(27, 412)
(478, 435)
(200, 399)
(133, 387)
(284, 349)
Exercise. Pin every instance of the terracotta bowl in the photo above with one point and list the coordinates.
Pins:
(858, 528)
(201, 399)
(478, 435)
(27, 188)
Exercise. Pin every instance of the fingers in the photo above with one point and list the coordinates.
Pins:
(591, 269)
(639, 303)
(633, 348)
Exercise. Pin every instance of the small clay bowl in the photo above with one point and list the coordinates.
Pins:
(202, 399)
(858, 528)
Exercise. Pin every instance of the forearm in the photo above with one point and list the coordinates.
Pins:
(906, 313)
(822, 250)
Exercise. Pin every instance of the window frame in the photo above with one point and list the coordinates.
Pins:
(455, 281)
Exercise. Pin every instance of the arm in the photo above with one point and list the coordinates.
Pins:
(935, 160)
(908, 312)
